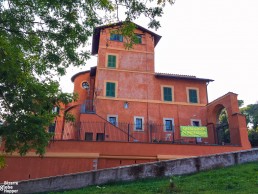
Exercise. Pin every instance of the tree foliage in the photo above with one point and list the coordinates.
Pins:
(251, 113)
(253, 137)
(39, 39)
(224, 132)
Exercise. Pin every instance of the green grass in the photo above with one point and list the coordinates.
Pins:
(231, 180)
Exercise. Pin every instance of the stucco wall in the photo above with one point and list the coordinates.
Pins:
(64, 157)
(134, 172)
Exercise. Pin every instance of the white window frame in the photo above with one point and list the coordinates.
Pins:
(164, 123)
(138, 117)
(116, 116)
(199, 120)
(172, 93)
(188, 95)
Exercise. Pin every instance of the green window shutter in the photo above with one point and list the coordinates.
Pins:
(110, 89)
(193, 96)
(167, 94)
(112, 61)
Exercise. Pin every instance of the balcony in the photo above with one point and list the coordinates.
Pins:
(88, 107)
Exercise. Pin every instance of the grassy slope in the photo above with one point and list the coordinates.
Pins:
(236, 179)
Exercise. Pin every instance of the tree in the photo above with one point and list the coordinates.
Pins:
(251, 113)
(39, 39)
(224, 133)
(240, 103)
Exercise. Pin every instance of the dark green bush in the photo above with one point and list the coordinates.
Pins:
(253, 137)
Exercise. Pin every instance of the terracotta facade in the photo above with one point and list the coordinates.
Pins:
(133, 111)
(138, 92)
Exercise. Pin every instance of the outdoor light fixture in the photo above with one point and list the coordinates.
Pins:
(126, 105)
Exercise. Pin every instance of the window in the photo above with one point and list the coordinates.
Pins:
(88, 136)
(196, 123)
(111, 61)
(110, 89)
(116, 37)
(138, 39)
(100, 137)
(193, 95)
(85, 85)
(168, 124)
(112, 119)
(167, 94)
(138, 123)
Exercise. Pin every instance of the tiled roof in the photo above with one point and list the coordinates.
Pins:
(179, 76)
(96, 35)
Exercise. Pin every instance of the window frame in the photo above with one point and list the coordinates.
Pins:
(116, 62)
(115, 90)
(138, 37)
(198, 120)
(163, 93)
(135, 124)
(117, 37)
(172, 122)
(113, 116)
(197, 95)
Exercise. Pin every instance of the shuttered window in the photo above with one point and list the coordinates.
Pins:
(167, 94)
(193, 98)
(112, 61)
(110, 89)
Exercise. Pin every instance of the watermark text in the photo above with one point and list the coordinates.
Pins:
(8, 187)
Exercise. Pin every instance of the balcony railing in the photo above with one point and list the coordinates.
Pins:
(123, 132)
(88, 107)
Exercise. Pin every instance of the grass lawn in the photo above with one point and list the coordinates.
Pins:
(231, 180)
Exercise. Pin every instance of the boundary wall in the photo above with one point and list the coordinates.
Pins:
(67, 157)
(138, 171)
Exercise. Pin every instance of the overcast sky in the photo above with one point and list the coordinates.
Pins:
(216, 39)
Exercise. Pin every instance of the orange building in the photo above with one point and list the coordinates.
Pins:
(124, 99)
(127, 113)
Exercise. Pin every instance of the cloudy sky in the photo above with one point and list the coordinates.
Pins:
(216, 39)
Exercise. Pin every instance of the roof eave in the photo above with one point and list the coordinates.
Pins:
(77, 74)
(183, 77)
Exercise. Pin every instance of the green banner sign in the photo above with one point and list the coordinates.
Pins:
(193, 131)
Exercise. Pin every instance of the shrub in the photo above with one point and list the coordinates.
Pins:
(253, 137)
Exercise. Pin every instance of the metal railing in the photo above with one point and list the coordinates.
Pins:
(121, 132)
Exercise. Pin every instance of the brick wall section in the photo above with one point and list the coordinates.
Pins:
(134, 172)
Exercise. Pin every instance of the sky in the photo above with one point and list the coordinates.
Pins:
(215, 39)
